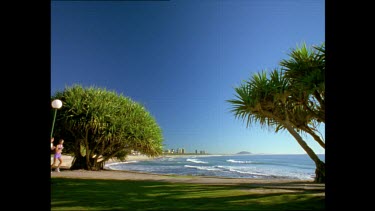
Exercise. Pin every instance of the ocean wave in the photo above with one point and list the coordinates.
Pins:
(112, 165)
(207, 168)
(242, 171)
(247, 172)
(226, 166)
(241, 161)
(195, 161)
(165, 159)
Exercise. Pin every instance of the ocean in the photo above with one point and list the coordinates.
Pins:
(261, 166)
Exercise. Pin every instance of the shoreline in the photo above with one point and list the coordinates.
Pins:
(107, 173)
(139, 176)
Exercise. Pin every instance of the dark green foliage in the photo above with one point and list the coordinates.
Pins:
(98, 125)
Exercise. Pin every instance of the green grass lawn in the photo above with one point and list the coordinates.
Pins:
(91, 194)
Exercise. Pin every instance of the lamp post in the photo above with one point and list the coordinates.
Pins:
(56, 104)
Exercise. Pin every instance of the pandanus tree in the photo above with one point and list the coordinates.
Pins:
(270, 102)
(305, 69)
(98, 125)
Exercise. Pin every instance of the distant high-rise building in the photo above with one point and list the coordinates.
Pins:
(180, 150)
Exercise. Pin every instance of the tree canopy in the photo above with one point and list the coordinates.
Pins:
(98, 125)
(291, 98)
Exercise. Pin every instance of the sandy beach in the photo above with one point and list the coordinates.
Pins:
(270, 185)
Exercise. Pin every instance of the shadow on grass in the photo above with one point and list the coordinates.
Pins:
(91, 194)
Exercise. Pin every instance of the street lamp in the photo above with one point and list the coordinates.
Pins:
(56, 104)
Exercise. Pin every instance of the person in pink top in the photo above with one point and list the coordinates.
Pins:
(57, 156)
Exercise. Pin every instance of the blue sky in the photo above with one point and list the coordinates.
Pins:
(183, 59)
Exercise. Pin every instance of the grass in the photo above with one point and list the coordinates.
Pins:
(98, 194)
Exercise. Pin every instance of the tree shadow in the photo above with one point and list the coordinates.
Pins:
(96, 194)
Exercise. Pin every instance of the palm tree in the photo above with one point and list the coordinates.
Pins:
(270, 103)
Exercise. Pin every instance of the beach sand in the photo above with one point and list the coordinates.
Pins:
(268, 185)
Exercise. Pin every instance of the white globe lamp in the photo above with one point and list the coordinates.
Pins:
(56, 104)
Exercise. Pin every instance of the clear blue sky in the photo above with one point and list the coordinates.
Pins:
(183, 59)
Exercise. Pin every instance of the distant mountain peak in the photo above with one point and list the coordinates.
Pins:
(244, 152)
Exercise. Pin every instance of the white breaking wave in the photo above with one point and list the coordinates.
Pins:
(226, 168)
(247, 171)
(195, 161)
(208, 168)
(110, 165)
(240, 161)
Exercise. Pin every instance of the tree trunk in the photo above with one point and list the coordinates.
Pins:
(320, 173)
(81, 162)
(320, 166)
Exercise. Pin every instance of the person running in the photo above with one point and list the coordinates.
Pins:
(52, 146)
(57, 156)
